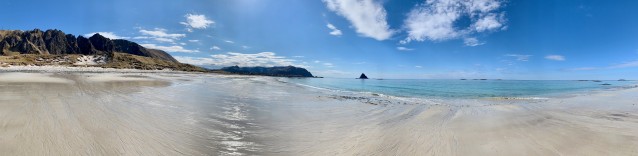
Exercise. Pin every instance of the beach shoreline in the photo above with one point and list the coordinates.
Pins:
(68, 112)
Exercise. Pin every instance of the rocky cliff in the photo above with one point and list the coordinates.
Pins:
(57, 42)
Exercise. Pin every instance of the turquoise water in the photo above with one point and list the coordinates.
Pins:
(463, 88)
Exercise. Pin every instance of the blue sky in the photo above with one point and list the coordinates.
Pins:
(516, 39)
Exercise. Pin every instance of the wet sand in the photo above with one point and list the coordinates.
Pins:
(203, 114)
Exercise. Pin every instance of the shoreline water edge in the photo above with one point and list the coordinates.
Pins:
(127, 112)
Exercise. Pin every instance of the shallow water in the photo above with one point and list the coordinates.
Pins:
(467, 89)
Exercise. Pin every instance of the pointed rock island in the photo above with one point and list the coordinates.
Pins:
(363, 76)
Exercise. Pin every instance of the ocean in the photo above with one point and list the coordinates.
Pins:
(444, 89)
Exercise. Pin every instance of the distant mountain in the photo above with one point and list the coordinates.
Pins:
(287, 71)
(57, 42)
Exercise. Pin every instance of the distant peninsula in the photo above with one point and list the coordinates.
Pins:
(284, 71)
(54, 47)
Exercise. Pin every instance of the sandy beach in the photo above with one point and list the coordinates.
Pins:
(163, 113)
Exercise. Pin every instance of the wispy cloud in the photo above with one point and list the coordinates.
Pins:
(628, 64)
(167, 40)
(333, 73)
(520, 57)
(334, 31)
(471, 41)
(367, 16)
(418, 67)
(404, 49)
(195, 21)
(245, 47)
(109, 35)
(161, 33)
(329, 65)
(584, 68)
(215, 48)
(358, 63)
(555, 57)
(193, 41)
(489, 22)
(266, 59)
(229, 41)
(435, 19)
(174, 49)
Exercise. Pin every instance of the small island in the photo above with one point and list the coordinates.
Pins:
(363, 76)
(285, 71)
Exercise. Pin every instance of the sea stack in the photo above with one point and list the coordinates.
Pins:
(363, 76)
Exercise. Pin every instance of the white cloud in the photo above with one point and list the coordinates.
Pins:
(109, 35)
(334, 73)
(435, 19)
(215, 48)
(555, 57)
(404, 49)
(197, 21)
(358, 63)
(168, 40)
(265, 59)
(471, 41)
(316, 61)
(141, 37)
(229, 41)
(626, 64)
(245, 47)
(367, 16)
(175, 49)
(584, 68)
(520, 57)
(489, 22)
(431, 23)
(193, 41)
(335, 31)
(161, 33)
(418, 67)
(329, 65)
(298, 56)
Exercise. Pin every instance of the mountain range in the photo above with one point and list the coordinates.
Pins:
(54, 47)
(56, 42)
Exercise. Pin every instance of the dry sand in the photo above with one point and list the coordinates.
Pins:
(203, 114)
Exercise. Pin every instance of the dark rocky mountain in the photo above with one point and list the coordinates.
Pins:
(57, 42)
(287, 71)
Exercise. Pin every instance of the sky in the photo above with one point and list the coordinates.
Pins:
(403, 39)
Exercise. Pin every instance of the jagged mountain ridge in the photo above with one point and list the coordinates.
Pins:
(57, 42)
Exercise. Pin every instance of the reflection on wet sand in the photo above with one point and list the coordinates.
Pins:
(202, 114)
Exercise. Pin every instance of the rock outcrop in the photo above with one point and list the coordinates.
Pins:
(363, 76)
(287, 71)
(57, 42)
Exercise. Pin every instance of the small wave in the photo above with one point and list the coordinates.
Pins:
(374, 96)
(518, 98)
